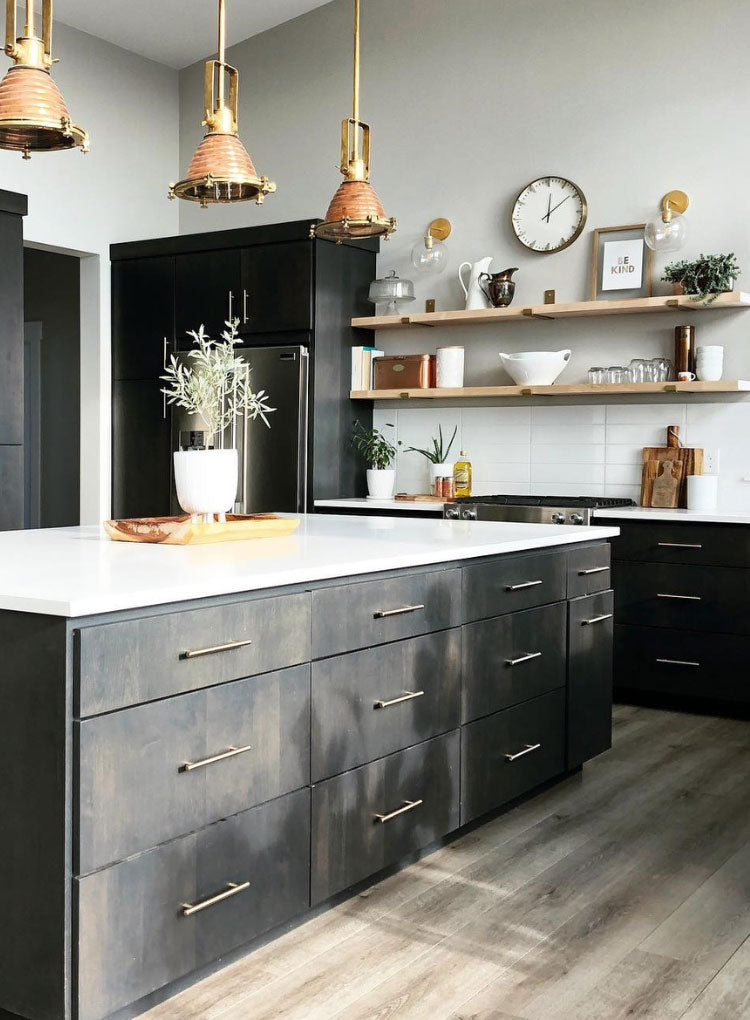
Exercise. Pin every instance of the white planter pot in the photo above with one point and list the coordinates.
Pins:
(380, 482)
(206, 480)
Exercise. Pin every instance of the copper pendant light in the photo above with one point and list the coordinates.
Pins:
(356, 210)
(33, 114)
(221, 169)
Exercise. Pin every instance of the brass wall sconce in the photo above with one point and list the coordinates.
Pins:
(430, 255)
(668, 231)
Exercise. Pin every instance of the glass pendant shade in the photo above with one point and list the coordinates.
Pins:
(221, 169)
(666, 236)
(33, 114)
(430, 259)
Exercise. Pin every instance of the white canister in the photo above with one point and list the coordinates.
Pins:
(702, 492)
(709, 363)
(450, 367)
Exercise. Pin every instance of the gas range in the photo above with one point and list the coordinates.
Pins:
(530, 509)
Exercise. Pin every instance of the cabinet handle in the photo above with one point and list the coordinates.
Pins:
(231, 752)
(188, 909)
(679, 545)
(524, 584)
(195, 653)
(523, 658)
(408, 805)
(592, 570)
(597, 619)
(164, 395)
(529, 749)
(678, 662)
(406, 696)
(687, 598)
(244, 306)
(231, 302)
(380, 614)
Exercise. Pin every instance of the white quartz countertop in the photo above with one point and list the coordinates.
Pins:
(647, 513)
(79, 571)
(402, 505)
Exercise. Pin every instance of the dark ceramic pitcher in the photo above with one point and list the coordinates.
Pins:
(500, 287)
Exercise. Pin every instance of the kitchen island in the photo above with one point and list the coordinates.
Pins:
(200, 744)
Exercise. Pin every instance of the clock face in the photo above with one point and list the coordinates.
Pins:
(549, 214)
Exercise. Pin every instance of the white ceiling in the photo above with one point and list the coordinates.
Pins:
(176, 32)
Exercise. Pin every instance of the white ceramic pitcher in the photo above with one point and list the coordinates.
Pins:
(475, 296)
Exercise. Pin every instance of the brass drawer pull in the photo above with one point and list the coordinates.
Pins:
(592, 570)
(406, 696)
(678, 662)
(195, 653)
(524, 584)
(408, 805)
(380, 614)
(231, 752)
(597, 619)
(523, 658)
(188, 909)
(679, 545)
(687, 598)
(521, 754)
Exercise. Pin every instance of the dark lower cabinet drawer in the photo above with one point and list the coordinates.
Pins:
(588, 569)
(682, 597)
(368, 704)
(131, 661)
(683, 663)
(509, 583)
(511, 752)
(134, 935)
(717, 545)
(512, 658)
(153, 772)
(366, 613)
(590, 629)
(372, 816)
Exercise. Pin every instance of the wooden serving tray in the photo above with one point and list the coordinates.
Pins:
(403, 497)
(185, 531)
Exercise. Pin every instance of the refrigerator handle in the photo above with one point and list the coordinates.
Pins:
(302, 431)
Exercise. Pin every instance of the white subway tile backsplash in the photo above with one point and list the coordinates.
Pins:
(646, 414)
(584, 435)
(568, 414)
(581, 474)
(637, 435)
(619, 453)
(622, 474)
(495, 417)
(569, 488)
(623, 492)
(557, 453)
(512, 453)
(482, 471)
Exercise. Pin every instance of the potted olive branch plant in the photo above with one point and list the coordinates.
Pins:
(705, 277)
(378, 454)
(215, 388)
(438, 458)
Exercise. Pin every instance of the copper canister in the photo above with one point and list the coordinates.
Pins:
(684, 349)
(404, 372)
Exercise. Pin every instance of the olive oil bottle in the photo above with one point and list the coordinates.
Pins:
(462, 475)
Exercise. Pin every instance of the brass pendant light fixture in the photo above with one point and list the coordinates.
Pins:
(33, 114)
(221, 169)
(356, 210)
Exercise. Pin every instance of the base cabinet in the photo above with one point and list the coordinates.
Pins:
(590, 631)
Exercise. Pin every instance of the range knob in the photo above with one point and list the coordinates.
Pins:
(452, 513)
(558, 518)
(469, 513)
(576, 518)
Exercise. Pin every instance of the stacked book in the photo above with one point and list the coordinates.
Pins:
(362, 366)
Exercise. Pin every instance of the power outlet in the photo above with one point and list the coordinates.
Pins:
(711, 460)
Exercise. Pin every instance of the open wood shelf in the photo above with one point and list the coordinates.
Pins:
(603, 390)
(564, 310)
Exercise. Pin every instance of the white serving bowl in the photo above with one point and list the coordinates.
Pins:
(535, 368)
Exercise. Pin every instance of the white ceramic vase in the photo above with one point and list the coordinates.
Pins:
(380, 482)
(206, 480)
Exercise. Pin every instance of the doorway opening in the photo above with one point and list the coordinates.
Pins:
(52, 388)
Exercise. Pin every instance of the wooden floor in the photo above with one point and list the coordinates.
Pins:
(619, 894)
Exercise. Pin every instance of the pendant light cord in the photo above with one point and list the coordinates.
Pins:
(355, 103)
(222, 49)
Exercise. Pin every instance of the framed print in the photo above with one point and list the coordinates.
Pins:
(621, 263)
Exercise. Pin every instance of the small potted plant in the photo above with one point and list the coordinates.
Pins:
(216, 389)
(440, 469)
(704, 278)
(378, 454)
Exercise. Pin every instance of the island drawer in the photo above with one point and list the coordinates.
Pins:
(509, 583)
(372, 816)
(368, 704)
(136, 929)
(683, 663)
(366, 613)
(512, 658)
(682, 597)
(509, 753)
(719, 545)
(153, 772)
(131, 661)
(588, 569)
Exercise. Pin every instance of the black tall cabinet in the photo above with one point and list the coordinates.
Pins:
(13, 208)
(285, 289)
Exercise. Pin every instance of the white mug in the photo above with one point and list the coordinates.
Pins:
(685, 376)
(702, 492)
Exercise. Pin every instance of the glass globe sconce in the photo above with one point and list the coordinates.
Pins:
(430, 254)
(669, 229)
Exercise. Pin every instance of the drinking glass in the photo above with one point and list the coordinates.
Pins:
(662, 369)
(617, 374)
(638, 370)
(597, 375)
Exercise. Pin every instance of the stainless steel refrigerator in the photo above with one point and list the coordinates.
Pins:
(272, 461)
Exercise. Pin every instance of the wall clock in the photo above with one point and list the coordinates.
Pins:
(549, 214)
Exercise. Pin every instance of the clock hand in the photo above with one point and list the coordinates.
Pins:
(557, 206)
(549, 203)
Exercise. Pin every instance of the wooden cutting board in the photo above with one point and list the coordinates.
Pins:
(418, 498)
(185, 531)
(665, 471)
